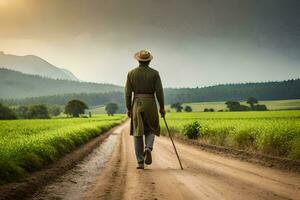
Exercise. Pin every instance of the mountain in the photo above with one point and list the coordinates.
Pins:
(70, 74)
(14, 84)
(31, 64)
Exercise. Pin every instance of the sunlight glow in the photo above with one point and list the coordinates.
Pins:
(10, 3)
(4, 2)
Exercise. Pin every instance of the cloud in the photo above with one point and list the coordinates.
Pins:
(97, 38)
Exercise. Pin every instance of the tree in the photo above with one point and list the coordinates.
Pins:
(22, 112)
(243, 108)
(111, 108)
(252, 101)
(209, 110)
(259, 107)
(236, 106)
(75, 108)
(38, 112)
(232, 105)
(188, 109)
(54, 110)
(6, 113)
(177, 106)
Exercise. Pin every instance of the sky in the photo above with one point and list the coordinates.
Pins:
(193, 42)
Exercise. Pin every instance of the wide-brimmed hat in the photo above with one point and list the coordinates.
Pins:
(143, 55)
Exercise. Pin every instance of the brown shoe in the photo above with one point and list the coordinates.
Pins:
(140, 166)
(148, 157)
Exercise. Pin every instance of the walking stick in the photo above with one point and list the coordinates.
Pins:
(173, 142)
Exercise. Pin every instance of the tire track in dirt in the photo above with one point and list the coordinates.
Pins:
(75, 182)
(206, 176)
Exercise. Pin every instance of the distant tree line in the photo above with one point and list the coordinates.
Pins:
(91, 99)
(235, 92)
(231, 105)
(28, 112)
(178, 107)
(73, 108)
(6, 113)
(253, 102)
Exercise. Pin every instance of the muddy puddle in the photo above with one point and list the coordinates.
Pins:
(77, 181)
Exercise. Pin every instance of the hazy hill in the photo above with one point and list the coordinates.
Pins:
(34, 65)
(275, 90)
(15, 84)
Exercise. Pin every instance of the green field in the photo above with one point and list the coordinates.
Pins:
(97, 109)
(292, 104)
(270, 132)
(28, 145)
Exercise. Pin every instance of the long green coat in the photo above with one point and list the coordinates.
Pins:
(144, 119)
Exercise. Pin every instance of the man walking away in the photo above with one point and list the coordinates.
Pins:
(144, 84)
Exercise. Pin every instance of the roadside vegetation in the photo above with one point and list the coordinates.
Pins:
(275, 133)
(28, 145)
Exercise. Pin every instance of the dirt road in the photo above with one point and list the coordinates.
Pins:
(206, 176)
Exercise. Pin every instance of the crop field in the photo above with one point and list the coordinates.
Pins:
(291, 104)
(98, 109)
(275, 133)
(27, 145)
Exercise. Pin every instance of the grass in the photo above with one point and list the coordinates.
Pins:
(271, 132)
(28, 145)
(292, 104)
(97, 109)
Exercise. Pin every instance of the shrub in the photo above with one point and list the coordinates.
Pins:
(22, 112)
(209, 110)
(192, 130)
(54, 110)
(177, 106)
(259, 107)
(6, 113)
(188, 109)
(38, 112)
(236, 106)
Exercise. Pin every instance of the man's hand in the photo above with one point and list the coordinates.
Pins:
(162, 112)
(129, 113)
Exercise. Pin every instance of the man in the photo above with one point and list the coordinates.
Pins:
(144, 84)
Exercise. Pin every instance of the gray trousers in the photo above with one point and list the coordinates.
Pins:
(139, 146)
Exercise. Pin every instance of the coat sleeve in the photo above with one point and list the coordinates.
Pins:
(128, 93)
(159, 92)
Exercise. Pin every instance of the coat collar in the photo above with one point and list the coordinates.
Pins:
(143, 65)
